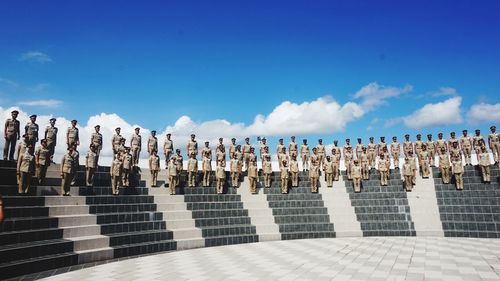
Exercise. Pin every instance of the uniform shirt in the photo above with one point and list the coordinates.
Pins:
(395, 147)
(26, 163)
(172, 169)
(32, 130)
(335, 159)
(116, 139)
(51, 134)
(407, 170)
(430, 146)
(493, 137)
(91, 160)
(444, 161)
(246, 148)
(440, 143)
(346, 146)
(356, 171)
(451, 141)
(67, 163)
(207, 164)
(252, 157)
(220, 156)
(21, 148)
(168, 146)
(192, 145)
(314, 171)
(136, 141)
(192, 165)
(284, 172)
(154, 162)
(304, 150)
(359, 147)
(152, 143)
(72, 135)
(466, 141)
(232, 150)
(294, 166)
(476, 139)
(219, 148)
(381, 146)
(407, 146)
(221, 174)
(127, 161)
(206, 153)
(329, 167)
(96, 139)
(457, 167)
(383, 165)
(292, 147)
(267, 167)
(42, 156)
(484, 159)
(12, 128)
(252, 171)
(418, 147)
(424, 156)
(76, 159)
(279, 148)
(178, 161)
(320, 148)
(116, 167)
(235, 165)
(364, 158)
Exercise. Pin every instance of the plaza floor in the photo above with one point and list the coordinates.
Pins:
(376, 258)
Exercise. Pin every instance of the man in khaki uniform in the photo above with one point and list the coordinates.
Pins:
(494, 143)
(154, 167)
(76, 163)
(395, 151)
(21, 147)
(466, 144)
(251, 156)
(407, 173)
(192, 145)
(453, 139)
(372, 153)
(127, 160)
(476, 143)
(67, 170)
(31, 130)
(192, 167)
(359, 148)
(220, 155)
(116, 141)
(246, 151)
(314, 171)
(413, 166)
(220, 145)
(172, 175)
(11, 134)
(220, 176)
(284, 177)
(347, 146)
(264, 155)
(455, 151)
(263, 149)
(116, 174)
(293, 147)
(51, 137)
(407, 146)
(320, 149)
(178, 160)
(304, 155)
(441, 143)
(336, 163)
(168, 147)
(431, 149)
(356, 176)
(96, 141)
(282, 156)
(418, 148)
(267, 171)
(365, 167)
(484, 163)
(328, 169)
(206, 158)
(239, 156)
(279, 147)
(25, 169)
(424, 162)
(348, 160)
(252, 175)
(152, 143)
(232, 148)
(136, 146)
(72, 134)
(458, 171)
(235, 170)
(42, 160)
(294, 171)
(90, 165)
(383, 168)
(444, 165)
(382, 147)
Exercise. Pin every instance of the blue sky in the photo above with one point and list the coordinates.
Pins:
(152, 62)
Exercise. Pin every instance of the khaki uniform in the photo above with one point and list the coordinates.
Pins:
(292, 149)
(477, 147)
(245, 149)
(51, 137)
(154, 167)
(11, 134)
(127, 168)
(408, 173)
(206, 165)
(451, 141)
(135, 147)
(424, 163)
(413, 164)
(359, 150)
(328, 168)
(25, 169)
(282, 157)
(221, 177)
(152, 144)
(96, 141)
(21, 148)
(90, 166)
(336, 166)
(67, 170)
(348, 163)
(252, 177)
(72, 136)
(267, 170)
(284, 179)
(232, 150)
(441, 143)
(116, 142)
(220, 156)
(313, 176)
(372, 154)
(356, 178)
(365, 167)
(116, 174)
(168, 149)
(466, 144)
(280, 154)
(239, 156)
(304, 155)
(418, 150)
(192, 147)
(458, 171)
(31, 130)
(444, 167)
(431, 148)
(455, 153)
(395, 151)
(172, 176)
(494, 140)
(76, 164)
(407, 148)
(294, 172)
(320, 148)
(192, 167)
(235, 172)
(263, 153)
(42, 157)
(381, 147)
(178, 163)
(383, 168)
(485, 162)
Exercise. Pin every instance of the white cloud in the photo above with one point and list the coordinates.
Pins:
(445, 91)
(43, 103)
(374, 95)
(484, 112)
(35, 56)
(435, 114)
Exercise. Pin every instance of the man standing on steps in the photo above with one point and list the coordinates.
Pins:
(67, 170)
(220, 147)
(178, 160)
(453, 139)
(90, 165)
(476, 143)
(304, 155)
(11, 134)
(42, 160)
(116, 140)
(382, 147)
(246, 151)
(154, 167)
(455, 151)
(359, 149)
(279, 148)
(172, 175)
(407, 146)
(51, 137)
(458, 171)
(136, 146)
(441, 143)
(444, 165)
(292, 148)
(221, 176)
(284, 177)
(466, 144)
(168, 148)
(494, 143)
(336, 163)
(328, 169)
(424, 162)
(365, 167)
(206, 162)
(152, 143)
(96, 141)
(418, 150)
(127, 166)
(395, 151)
(413, 164)
(234, 167)
(25, 169)
(372, 153)
(485, 162)
(383, 169)
(73, 135)
(314, 171)
(348, 160)
(31, 130)
(407, 173)
(431, 149)
(232, 148)
(116, 174)
(263, 150)
(356, 176)
(252, 175)
(192, 145)
(347, 146)
(192, 168)
(321, 152)
(267, 170)
(294, 171)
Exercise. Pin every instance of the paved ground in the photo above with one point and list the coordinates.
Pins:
(378, 258)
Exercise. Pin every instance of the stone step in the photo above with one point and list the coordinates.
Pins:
(22, 251)
(80, 230)
(90, 242)
(94, 255)
(144, 248)
(43, 263)
(230, 240)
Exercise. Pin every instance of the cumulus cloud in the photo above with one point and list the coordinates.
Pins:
(35, 56)
(42, 103)
(435, 114)
(374, 95)
(484, 112)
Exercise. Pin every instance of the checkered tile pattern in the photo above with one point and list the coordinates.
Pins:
(373, 258)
